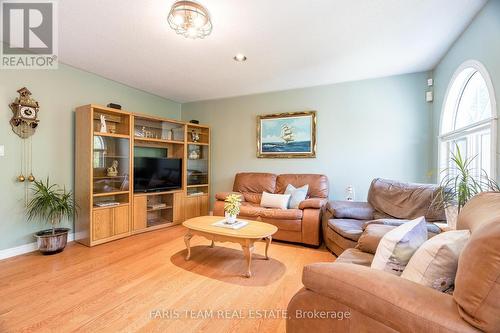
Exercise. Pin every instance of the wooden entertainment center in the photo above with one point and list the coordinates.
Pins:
(109, 208)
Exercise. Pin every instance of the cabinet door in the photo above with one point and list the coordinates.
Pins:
(140, 212)
(121, 220)
(192, 207)
(178, 207)
(102, 224)
(204, 202)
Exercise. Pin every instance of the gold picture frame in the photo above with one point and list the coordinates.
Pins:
(287, 135)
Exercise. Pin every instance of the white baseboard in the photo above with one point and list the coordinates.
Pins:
(26, 248)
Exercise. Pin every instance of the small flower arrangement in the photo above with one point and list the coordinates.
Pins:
(232, 207)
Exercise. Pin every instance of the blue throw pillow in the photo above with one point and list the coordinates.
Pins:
(297, 195)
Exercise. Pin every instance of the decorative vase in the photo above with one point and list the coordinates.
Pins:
(49, 243)
(230, 219)
(451, 216)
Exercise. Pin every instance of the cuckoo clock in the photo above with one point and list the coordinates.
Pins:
(25, 114)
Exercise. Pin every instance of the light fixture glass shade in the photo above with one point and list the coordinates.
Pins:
(190, 19)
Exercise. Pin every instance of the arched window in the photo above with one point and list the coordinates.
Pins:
(469, 119)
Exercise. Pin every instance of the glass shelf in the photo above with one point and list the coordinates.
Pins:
(111, 165)
(158, 130)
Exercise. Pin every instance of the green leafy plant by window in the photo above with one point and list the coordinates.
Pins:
(50, 204)
(232, 204)
(461, 182)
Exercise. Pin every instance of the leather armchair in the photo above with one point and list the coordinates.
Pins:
(302, 225)
(389, 202)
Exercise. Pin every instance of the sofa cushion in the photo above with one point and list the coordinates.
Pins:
(249, 209)
(271, 200)
(355, 256)
(371, 236)
(288, 214)
(350, 210)
(435, 263)
(252, 197)
(297, 195)
(431, 227)
(398, 245)
(477, 284)
(348, 228)
(254, 182)
(318, 184)
(404, 200)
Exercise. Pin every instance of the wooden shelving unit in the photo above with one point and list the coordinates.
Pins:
(135, 212)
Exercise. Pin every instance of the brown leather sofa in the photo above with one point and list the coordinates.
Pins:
(302, 225)
(376, 301)
(389, 202)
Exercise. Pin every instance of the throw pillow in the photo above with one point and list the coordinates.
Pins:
(270, 200)
(297, 195)
(398, 245)
(435, 263)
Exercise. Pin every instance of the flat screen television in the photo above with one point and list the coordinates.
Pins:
(156, 174)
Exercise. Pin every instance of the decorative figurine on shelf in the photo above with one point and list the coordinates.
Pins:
(112, 171)
(195, 137)
(194, 154)
(103, 124)
(147, 134)
(170, 134)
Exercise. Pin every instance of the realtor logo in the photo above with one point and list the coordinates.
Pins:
(28, 35)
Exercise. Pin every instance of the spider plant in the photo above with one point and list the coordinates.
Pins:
(461, 182)
(50, 204)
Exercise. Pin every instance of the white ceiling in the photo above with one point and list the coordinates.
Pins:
(289, 43)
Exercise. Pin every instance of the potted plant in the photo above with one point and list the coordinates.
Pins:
(232, 207)
(50, 204)
(460, 183)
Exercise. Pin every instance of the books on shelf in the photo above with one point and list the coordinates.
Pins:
(157, 205)
(106, 203)
(235, 226)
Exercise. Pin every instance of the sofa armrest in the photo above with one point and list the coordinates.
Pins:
(350, 210)
(315, 203)
(400, 304)
(221, 196)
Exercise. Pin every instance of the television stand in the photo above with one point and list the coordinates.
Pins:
(155, 210)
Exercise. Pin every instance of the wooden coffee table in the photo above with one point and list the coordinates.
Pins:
(254, 231)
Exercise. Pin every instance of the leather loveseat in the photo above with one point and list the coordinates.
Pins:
(390, 203)
(354, 298)
(302, 225)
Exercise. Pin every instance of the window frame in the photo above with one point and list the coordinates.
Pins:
(476, 127)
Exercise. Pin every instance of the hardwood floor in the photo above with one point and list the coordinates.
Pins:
(142, 283)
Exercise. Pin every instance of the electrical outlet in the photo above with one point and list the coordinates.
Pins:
(2, 150)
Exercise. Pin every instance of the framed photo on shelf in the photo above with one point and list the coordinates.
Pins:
(287, 135)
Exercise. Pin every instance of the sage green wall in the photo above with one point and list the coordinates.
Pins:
(58, 92)
(366, 129)
(480, 41)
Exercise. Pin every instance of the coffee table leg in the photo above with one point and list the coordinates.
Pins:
(248, 251)
(187, 238)
(213, 244)
(268, 242)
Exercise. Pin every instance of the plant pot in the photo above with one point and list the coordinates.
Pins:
(49, 243)
(230, 219)
(451, 216)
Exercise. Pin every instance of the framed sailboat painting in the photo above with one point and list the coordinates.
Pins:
(287, 135)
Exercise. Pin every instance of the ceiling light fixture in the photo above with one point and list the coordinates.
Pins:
(240, 57)
(190, 19)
